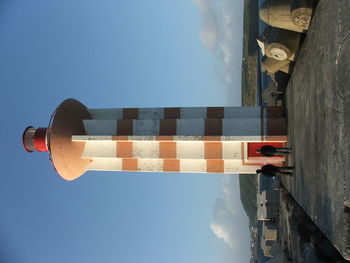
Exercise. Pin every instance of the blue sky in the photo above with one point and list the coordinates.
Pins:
(116, 54)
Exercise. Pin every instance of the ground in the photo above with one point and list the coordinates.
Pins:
(318, 115)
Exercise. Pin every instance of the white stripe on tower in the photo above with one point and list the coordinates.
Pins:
(190, 150)
(193, 113)
(193, 166)
(151, 113)
(172, 165)
(150, 165)
(200, 121)
(106, 114)
(162, 150)
(105, 165)
(242, 112)
(86, 138)
(100, 127)
(145, 127)
(190, 127)
(175, 127)
(145, 149)
(176, 113)
(100, 149)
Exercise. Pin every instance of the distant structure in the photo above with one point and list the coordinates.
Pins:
(293, 15)
(268, 204)
(268, 209)
(186, 140)
(269, 230)
(269, 238)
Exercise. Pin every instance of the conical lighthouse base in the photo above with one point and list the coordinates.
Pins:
(66, 154)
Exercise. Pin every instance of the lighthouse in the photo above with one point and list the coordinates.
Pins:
(183, 140)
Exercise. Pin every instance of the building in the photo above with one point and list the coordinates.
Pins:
(268, 242)
(266, 246)
(186, 140)
(268, 204)
(278, 258)
(267, 183)
(269, 230)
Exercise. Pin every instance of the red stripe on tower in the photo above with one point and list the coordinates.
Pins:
(213, 127)
(125, 127)
(171, 165)
(131, 113)
(130, 165)
(167, 127)
(276, 126)
(215, 112)
(171, 113)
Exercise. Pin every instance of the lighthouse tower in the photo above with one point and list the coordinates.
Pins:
(186, 140)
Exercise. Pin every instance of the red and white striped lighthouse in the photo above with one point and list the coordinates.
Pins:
(186, 140)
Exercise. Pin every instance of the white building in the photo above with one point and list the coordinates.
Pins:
(268, 204)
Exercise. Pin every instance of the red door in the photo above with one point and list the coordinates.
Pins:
(253, 146)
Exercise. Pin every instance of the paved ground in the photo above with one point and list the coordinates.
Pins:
(318, 105)
(301, 241)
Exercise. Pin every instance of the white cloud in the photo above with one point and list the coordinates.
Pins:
(209, 38)
(222, 34)
(230, 222)
(210, 31)
(221, 225)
